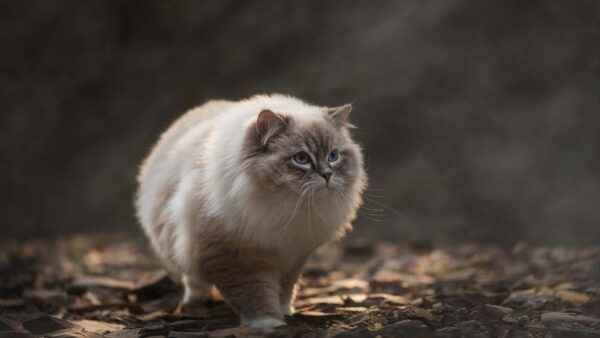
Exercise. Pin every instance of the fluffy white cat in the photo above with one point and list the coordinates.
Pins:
(238, 194)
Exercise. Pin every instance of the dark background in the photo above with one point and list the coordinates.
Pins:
(479, 119)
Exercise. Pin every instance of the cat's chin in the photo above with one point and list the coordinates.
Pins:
(323, 192)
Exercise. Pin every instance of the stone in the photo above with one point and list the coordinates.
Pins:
(491, 312)
(468, 329)
(405, 328)
(45, 324)
(525, 300)
(360, 333)
(568, 320)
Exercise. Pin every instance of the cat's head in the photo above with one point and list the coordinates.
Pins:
(291, 151)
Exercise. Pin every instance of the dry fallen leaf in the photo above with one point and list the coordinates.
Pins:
(97, 326)
(82, 288)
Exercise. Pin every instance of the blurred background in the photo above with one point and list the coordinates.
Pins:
(479, 119)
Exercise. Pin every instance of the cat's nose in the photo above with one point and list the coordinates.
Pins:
(326, 175)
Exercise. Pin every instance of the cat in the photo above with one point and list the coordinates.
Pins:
(239, 194)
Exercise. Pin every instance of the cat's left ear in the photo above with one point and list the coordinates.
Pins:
(339, 114)
(269, 124)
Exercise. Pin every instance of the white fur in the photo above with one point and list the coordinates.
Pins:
(265, 323)
(195, 169)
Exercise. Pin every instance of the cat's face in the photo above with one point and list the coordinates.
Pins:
(316, 156)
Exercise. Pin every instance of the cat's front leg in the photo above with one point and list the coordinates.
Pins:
(250, 286)
(288, 288)
(255, 298)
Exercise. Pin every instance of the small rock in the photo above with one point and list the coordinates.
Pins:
(14, 334)
(510, 319)
(128, 333)
(364, 332)
(525, 300)
(72, 333)
(491, 312)
(468, 329)
(183, 334)
(405, 328)
(45, 324)
(561, 319)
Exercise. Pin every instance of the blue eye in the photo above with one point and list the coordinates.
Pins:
(301, 157)
(333, 156)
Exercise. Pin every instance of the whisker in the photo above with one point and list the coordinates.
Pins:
(370, 218)
(371, 165)
(371, 209)
(339, 203)
(309, 225)
(371, 214)
(295, 210)
(374, 196)
(374, 189)
(318, 215)
(386, 207)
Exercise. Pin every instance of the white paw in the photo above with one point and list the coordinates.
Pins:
(263, 323)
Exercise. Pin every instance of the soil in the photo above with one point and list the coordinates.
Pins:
(94, 286)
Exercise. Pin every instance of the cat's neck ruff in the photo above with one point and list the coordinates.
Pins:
(281, 220)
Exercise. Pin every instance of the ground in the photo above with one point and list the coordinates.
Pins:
(93, 286)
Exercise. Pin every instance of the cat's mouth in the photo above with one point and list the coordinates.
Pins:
(325, 188)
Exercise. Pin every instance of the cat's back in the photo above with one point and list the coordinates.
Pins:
(161, 170)
(194, 118)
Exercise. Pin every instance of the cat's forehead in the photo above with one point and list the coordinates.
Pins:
(315, 135)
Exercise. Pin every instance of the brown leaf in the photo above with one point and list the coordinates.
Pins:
(97, 326)
(9, 303)
(103, 282)
(573, 297)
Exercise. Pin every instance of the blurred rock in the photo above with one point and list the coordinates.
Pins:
(568, 320)
(405, 328)
(491, 312)
(468, 329)
(42, 325)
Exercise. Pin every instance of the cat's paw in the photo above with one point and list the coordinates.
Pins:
(264, 323)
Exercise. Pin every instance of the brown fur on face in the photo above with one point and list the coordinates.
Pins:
(272, 162)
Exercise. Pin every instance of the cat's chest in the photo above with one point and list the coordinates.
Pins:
(300, 240)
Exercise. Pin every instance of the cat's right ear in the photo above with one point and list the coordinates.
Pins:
(268, 124)
(339, 114)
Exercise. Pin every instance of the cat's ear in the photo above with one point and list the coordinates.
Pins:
(339, 114)
(268, 124)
